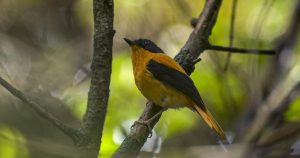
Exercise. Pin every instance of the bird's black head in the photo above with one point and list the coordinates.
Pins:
(146, 44)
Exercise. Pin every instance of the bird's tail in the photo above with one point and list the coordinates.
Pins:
(210, 121)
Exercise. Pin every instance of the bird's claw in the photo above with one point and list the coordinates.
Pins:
(145, 123)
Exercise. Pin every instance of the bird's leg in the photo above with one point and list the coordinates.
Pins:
(148, 122)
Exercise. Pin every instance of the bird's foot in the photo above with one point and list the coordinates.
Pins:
(145, 123)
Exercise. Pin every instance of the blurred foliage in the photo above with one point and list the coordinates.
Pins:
(294, 110)
(12, 143)
(44, 44)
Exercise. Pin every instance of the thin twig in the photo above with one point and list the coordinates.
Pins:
(231, 31)
(241, 50)
(72, 133)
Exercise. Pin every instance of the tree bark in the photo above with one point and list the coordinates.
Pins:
(100, 78)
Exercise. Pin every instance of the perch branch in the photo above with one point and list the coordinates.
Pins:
(195, 45)
(187, 57)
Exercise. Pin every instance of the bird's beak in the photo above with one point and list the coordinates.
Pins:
(129, 41)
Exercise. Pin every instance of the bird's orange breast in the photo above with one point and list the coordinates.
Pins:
(153, 89)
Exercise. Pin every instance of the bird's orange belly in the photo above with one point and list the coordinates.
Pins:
(161, 94)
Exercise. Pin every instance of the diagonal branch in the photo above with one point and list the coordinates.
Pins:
(72, 133)
(195, 45)
(198, 39)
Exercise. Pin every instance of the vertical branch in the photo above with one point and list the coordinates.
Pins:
(98, 95)
(88, 138)
(231, 31)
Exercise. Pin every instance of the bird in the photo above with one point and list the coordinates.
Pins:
(164, 82)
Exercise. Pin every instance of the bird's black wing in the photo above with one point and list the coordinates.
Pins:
(176, 79)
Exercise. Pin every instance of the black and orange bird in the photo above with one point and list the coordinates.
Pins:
(164, 82)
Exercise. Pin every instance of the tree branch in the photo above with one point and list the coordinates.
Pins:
(198, 39)
(72, 133)
(98, 95)
(195, 45)
(242, 50)
(88, 137)
(138, 135)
